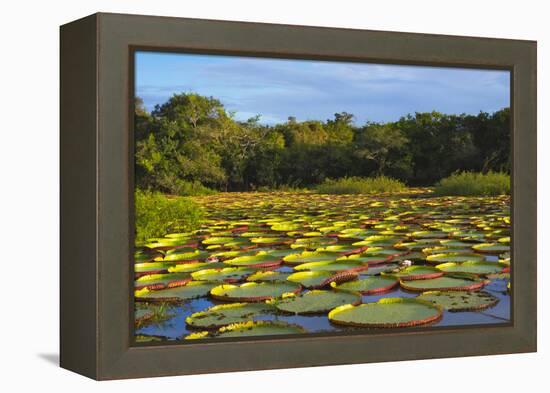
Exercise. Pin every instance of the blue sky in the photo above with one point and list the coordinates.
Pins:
(315, 90)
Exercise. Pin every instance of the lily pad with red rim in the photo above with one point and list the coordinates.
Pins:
(316, 301)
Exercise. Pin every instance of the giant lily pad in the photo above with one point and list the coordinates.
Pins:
(319, 278)
(418, 272)
(492, 248)
(192, 290)
(387, 313)
(194, 267)
(159, 281)
(226, 314)
(444, 283)
(186, 254)
(228, 274)
(259, 261)
(253, 292)
(259, 328)
(454, 257)
(268, 276)
(460, 301)
(335, 266)
(370, 285)
(481, 267)
(316, 301)
(307, 256)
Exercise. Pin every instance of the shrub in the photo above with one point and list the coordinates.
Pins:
(190, 188)
(156, 215)
(471, 183)
(360, 185)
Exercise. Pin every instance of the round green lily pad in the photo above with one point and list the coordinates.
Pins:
(481, 267)
(216, 240)
(319, 278)
(253, 292)
(429, 235)
(460, 301)
(159, 281)
(228, 274)
(418, 272)
(264, 241)
(259, 328)
(194, 267)
(261, 260)
(226, 314)
(316, 301)
(192, 290)
(342, 249)
(496, 248)
(308, 256)
(268, 276)
(151, 268)
(371, 260)
(335, 266)
(387, 313)
(444, 283)
(186, 254)
(454, 257)
(370, 285)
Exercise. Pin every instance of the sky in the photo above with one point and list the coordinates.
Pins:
(315, 90)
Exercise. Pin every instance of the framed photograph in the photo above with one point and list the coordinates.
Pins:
(242, 196)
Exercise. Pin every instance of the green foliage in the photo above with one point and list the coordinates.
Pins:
(469, 183)
(358, 185)
(192, 141)
(156, 215)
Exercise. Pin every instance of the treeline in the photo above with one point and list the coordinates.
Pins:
(192, 142)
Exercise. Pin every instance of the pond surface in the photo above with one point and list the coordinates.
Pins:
(364, 235)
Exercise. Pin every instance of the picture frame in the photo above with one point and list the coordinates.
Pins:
(96, 276)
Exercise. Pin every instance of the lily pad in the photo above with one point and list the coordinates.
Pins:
(418, 272)
(253, 292)
(444, 283)
(228, 274)
(460, 301)
(308, 256)
(259, 261)
(481, 267)
(194, 267)
(192, 290)
(387, 313)
(186, 254)
(259, 328)
(370, 285)
(159, 281)
(316, 301)
(269, 275)
(495, 248)
(335, 266)
(319, 278)
(226, 314)
(454, 257)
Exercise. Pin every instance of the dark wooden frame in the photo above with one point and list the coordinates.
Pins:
(97, 188)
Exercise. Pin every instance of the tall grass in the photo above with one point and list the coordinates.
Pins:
(156, 215)
(360, 185)
(471, 183)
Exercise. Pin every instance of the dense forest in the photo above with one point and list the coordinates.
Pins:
(191, 142)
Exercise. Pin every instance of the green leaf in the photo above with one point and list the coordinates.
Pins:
(316, 301)
(253, 292)
(445, 283)
(460, 301)
(481, 267)
(386, 313)
(226, 314)
(370, 285)
(192, 290)
(259, 328)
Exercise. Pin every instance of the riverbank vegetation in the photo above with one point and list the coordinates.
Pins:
(192, 145)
